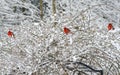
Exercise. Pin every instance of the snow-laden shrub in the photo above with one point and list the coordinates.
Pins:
(41, 45)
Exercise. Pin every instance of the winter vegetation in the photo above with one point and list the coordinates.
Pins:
(50, 37)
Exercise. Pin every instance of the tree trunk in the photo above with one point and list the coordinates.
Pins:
(53, 7)
(41, 9)
(54, 11)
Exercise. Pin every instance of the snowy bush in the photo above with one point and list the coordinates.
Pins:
(40, 45)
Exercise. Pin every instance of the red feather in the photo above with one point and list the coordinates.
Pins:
(67, 30)
(110, 26)
(10, 34)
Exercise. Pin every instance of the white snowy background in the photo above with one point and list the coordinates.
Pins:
(39, 42)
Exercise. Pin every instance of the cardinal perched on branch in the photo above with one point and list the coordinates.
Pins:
(110, 26)
(67, 30)
(11, 34)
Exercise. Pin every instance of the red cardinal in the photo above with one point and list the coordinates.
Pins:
(67, 30)
(110, 26)
(10, 34)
